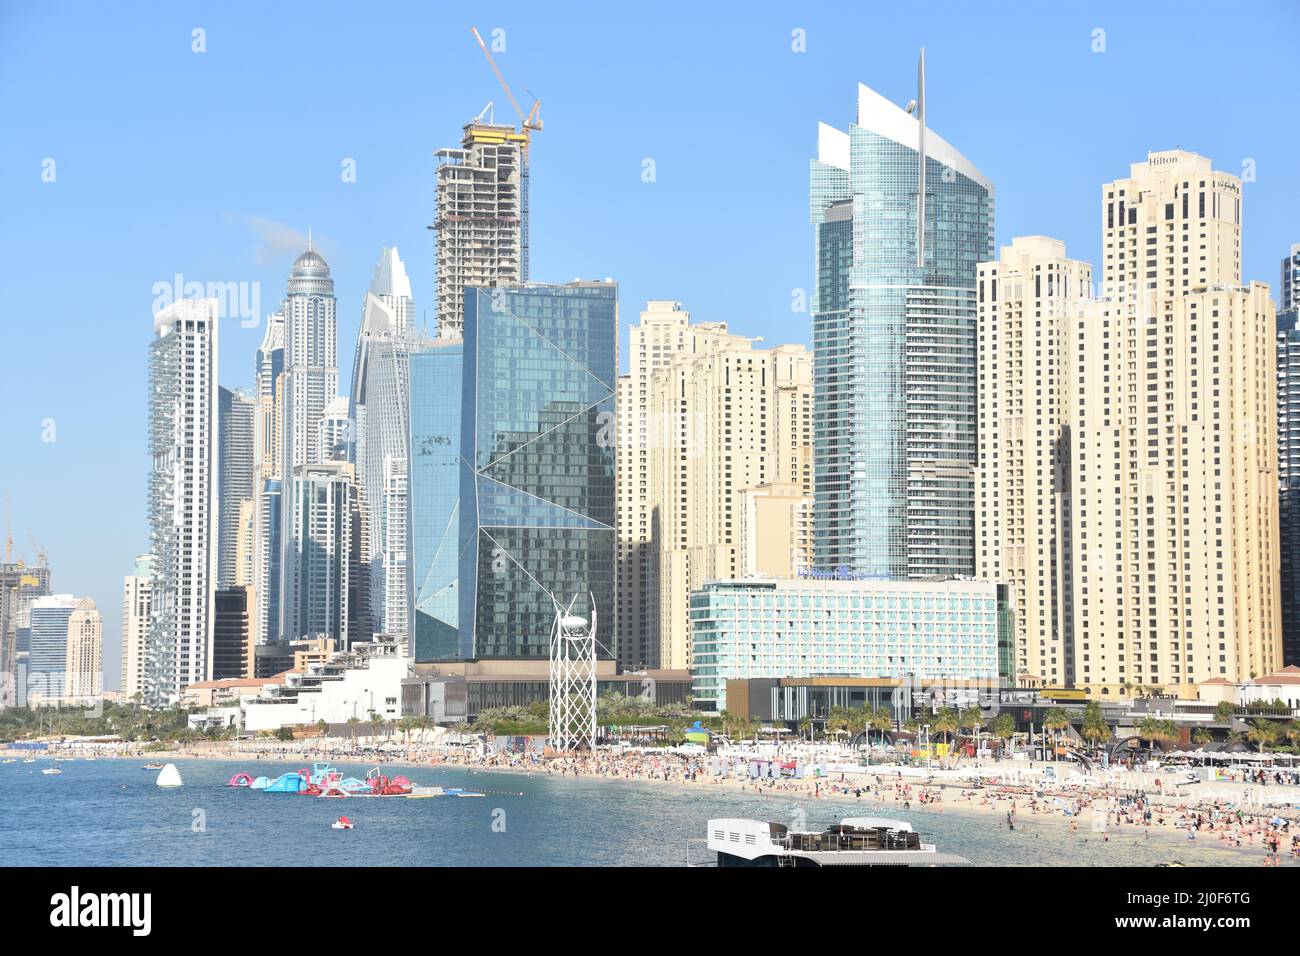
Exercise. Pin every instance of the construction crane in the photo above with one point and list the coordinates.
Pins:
(42, 556)
(530, 123)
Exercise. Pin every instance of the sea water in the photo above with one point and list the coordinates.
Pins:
(109, 812)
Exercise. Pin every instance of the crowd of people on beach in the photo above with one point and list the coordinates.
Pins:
(1092, 810)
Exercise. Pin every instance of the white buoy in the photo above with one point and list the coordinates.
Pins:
(170, 776)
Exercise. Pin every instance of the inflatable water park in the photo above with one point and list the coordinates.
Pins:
(322, 780)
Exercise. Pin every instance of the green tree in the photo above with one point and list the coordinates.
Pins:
(1002, 726)
(945, 722)
(1262, 733)
(1055, 721)
(880, 719)
(1095, 728)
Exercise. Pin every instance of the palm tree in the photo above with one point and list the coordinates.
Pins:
(1095, 728)
(1152, 729)
(1002, 727)
(806, 727)
(946, 722)
(1056, 720)
(1291, 731)
(352, 727)
(1262, 732)
(971, 719)
(1202, 736)
(838, 719)
(880, 718)
(1224, 710)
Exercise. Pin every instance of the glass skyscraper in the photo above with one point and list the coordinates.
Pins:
(433, 508)
(1288, 452)
(537, 464)
(894, 347)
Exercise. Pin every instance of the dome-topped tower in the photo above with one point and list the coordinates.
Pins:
(310, 273)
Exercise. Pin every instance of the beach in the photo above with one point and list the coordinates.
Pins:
(1016, 799)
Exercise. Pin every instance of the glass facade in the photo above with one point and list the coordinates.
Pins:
(1288, 473)
(928, 631)
(434, 500)
(47, 665)
(895, 349)
(537, 453)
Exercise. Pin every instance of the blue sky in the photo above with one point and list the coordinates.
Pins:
(214, 164)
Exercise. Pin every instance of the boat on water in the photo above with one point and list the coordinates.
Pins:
(29, 760)
(51, 770)
(9, 760)
(152, 766)
(343, 823)
(855, 841)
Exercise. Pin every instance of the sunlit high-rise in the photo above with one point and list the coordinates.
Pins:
(182, 497)
(1174, 465)
(894, 345)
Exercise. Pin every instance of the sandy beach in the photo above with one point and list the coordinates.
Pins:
(1107, 814)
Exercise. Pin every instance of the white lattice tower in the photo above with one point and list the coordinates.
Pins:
(572, 722)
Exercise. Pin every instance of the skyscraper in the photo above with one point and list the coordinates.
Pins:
(379, 411)
(1289, 292)
(136, 589)
(481, 219)
(20, 585)
(267, 481)
(1174, 465)
(434, 500)
(232, 646)
(236, 424)
(537, 464)
(1030, 301)
(48, 664)
(182, 496)
(310, 359)
(84, 655)
(724, 417)
(1288, 452)
(894, 345)
(665, 330)
(311, 379)
(319, 549)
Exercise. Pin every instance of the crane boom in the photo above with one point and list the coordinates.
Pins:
(529, 122)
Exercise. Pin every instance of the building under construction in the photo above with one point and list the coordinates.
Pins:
(481, 220)
(482, 217)
(20, 585)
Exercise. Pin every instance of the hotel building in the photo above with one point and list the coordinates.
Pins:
(1288, 452)
(1030, 301)
(723, 418)
(1174, 465)
(136, 590)
(537, 442)
(894, 345)
(925, 631)
(433, 513)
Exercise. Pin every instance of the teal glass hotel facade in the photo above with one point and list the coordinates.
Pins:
(537, 506)
(895, 348)
(433, 504)
(923, 630)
